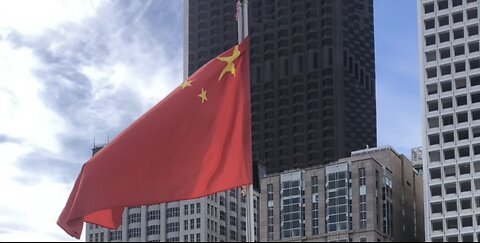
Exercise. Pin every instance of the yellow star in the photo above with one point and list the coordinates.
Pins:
(203, 95)
(230, 67)
(187, 83)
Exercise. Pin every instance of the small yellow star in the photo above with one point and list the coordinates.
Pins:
(203, 95)
(230, 67)
(187, 83)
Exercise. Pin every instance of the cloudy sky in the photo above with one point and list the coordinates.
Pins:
(72, 72)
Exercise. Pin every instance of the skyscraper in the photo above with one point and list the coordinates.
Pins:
(312, 81)
(450, 57)
(312, 74)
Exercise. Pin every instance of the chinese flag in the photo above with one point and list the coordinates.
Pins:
(193, 143)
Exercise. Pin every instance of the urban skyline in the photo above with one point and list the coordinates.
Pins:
(62, 102)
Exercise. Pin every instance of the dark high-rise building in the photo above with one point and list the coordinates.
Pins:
(312, 74)
(211, 29)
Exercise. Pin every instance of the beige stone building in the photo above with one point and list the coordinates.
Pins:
(374, 195)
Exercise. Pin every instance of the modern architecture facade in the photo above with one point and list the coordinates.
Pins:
(417, 160)
(450, 59)
(312, 81)
(374, 195)
(312, 74)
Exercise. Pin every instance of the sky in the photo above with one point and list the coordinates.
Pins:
(80, 71)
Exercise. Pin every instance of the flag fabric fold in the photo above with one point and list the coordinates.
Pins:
(193, 143)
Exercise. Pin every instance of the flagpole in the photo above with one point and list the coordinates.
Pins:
(242, 24)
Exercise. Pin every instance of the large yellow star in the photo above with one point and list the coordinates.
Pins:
(203, 95)
(187, 83)
(230, 67)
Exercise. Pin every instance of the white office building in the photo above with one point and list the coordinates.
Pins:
(450, 59)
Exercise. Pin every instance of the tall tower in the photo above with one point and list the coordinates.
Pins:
(312, 81)
(312, 74)
(450, 58)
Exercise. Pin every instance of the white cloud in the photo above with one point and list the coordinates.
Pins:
(24, 113)
(34, 17)
(70, 71)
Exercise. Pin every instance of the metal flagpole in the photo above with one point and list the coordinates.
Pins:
(242, 23)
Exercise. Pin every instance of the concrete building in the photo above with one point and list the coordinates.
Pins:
(374, 195)
(216, 218)
(312, 74)
(450, 59)
(417, 160)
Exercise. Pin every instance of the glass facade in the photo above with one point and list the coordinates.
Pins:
(291, 219)
(337, 195)
(270, 211)
(387, 203)
(315, 223)
(362, 198)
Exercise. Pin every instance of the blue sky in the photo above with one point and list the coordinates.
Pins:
(72, 71)
(397, 75)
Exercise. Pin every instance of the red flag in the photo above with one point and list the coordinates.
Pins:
(193, 143)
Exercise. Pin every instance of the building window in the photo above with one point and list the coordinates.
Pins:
(270, 212)
(185, 225)
(153, 215)
(173, 227)
(233, 221)
(135, 232)
(244, 212)
(199, 208)
(233, 235)
(244, 225)
(134, 218)
(363, 239)
(185, 209)
(291, 218)
(233, 206)
(337, 192)
(362, 198)
(173, 212)
(192, 208)
(244, 238)
(222, 230)
(192, 224)
(198, 223)
(222, 201)
(222, 215)
(387, 203)
(153, 230)
(115, 235)
(315, 222)
(198, 237)
(173, 239)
